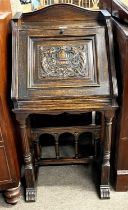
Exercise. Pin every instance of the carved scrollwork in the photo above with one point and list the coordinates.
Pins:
(62, 62)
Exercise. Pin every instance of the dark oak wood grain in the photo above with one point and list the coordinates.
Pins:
(121, 159)
(120, 10)
(60, 67)
(106, 4)
(9, 170)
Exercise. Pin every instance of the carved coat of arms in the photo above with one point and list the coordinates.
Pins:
(61, 62)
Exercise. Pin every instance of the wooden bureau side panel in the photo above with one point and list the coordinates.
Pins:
(122, 155)
(5, 175)
(122, 47)
(8, 156)
(9, 172)
(121, 159)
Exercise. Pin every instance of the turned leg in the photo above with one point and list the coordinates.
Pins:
(56, 135)
(28, 165)
(105, 170)
(76, 145)
(37, 153)
(94, 143)
(12, 195)
(37, 149)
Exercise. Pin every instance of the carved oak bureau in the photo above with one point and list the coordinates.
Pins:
(63, 63)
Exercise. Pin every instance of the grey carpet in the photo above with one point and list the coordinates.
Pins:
(68, 188)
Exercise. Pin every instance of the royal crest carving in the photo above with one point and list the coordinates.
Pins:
(62, 62)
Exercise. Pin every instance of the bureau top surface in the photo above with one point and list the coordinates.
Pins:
(62, 12)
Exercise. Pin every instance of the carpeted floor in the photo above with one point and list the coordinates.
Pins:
(68, 188)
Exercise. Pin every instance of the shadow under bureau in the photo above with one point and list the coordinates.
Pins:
(63, 63)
